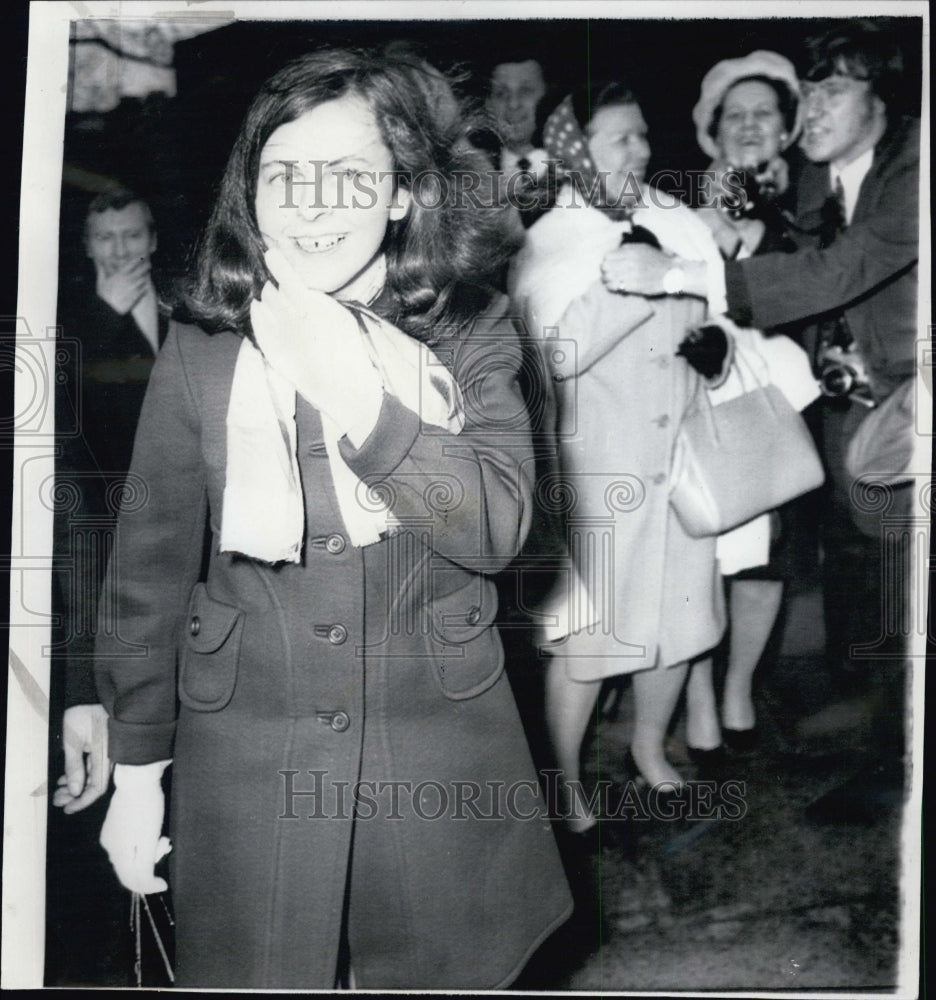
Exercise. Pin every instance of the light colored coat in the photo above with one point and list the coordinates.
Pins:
(374, 664)
(654, 595)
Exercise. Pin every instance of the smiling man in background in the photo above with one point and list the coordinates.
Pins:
(515, 91)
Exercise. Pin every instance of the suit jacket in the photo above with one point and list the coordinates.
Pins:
(103, 368)
(870, 271)
(370, 665)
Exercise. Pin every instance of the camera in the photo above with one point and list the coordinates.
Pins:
(842, 374)
(755, 190)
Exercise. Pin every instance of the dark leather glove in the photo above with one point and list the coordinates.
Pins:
(640, 234)
(705, 348)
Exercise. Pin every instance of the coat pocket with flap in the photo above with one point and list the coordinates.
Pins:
(468, 653)
(209, 654)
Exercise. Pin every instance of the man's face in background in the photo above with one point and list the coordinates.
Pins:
(117, 237)
(516, 90)
(844, 118)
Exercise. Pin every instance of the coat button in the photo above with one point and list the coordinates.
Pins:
(660, 478)
(335, 544)
(340, 722)
(195, 625)
(337, 634)
(662, 421)
(473, 615)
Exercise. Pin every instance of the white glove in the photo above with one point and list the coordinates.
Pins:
(131, 834)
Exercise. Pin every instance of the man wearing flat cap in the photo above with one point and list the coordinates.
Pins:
(854, 278)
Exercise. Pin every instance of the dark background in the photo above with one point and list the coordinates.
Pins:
(173, 150)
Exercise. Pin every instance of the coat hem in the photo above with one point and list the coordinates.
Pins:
(527, 955)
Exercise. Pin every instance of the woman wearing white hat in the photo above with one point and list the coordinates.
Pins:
(746, 116)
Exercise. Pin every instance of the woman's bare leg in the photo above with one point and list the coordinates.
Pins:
(702, 729)
(754, 606)
(569, 705)
(656, 692)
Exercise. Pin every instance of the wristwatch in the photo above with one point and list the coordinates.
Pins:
(674, 281)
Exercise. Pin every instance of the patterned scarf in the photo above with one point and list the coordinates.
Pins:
(565, 140)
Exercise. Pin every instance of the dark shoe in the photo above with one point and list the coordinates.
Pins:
(710, 764)
(584, 842)
(741, 740)
(632, 771)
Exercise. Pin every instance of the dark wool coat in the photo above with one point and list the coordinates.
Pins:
(101, 374)
(377, 665)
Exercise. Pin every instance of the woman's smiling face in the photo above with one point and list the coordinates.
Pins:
(325, 192)
(619, 148)
(751, 124)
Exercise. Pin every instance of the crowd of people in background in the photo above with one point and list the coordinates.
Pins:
(332, 609)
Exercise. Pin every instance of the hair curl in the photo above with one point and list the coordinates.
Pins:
(441, 257)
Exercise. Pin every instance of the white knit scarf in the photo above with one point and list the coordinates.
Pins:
(264, 504)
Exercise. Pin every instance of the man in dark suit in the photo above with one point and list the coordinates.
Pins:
(517, 90)
(119, 324)
(854, 278)
(114, 322)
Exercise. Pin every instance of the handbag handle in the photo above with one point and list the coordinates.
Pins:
(740, 364)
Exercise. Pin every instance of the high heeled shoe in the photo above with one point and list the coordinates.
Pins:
(633, 773)
(741, 741)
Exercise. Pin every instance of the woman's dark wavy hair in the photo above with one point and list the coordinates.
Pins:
(787, 101)
(440, 260)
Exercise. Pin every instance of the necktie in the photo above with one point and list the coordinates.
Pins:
(833, 215)
(523, 163)
(833, 331)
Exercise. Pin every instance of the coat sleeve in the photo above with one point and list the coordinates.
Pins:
(473, 488)
(596, 322)
(773, 289)
(154, 565)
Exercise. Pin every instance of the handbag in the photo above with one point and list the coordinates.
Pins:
(739, 458)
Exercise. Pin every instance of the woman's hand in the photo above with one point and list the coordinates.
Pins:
(706, 349)
(315, 342)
